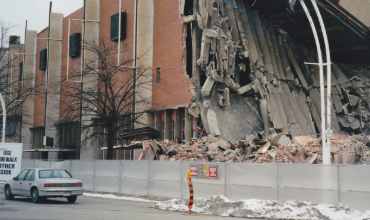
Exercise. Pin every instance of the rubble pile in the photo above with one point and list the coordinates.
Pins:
(243, 53)
(280, 148)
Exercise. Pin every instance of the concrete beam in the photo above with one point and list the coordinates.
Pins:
(28, 82)
(54, 77)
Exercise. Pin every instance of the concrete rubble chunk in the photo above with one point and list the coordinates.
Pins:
(212, 121)
(264, 148)
(280, 140)
(208, 85)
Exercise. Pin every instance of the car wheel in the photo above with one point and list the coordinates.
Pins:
(8, 193)
(71, 199)
(35, 195)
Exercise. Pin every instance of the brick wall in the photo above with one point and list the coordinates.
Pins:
(74, 68)
(168, 54)
(40, 81)
(109, 8)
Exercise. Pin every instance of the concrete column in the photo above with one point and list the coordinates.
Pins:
(188, 125)
(167, 131)
(54, 78)
(178, 121)
(92, 13)
(54, 68)
(28, 85)
(158, 121)
(14, 47)
(144, 53)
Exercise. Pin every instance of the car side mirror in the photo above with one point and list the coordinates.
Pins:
(15, 178)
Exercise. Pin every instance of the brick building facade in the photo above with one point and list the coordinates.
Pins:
(154, 37)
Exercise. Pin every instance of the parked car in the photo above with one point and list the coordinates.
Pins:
(40, 184)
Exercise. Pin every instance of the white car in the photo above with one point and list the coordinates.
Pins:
(40, 184)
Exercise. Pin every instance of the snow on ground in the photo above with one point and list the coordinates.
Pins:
(110, 196)
(253, 208)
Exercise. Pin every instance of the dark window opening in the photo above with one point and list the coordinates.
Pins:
(203, 78)
(44, 155)
(244, 74)
(68, 135)
(14, 40)
(20, 71)
(43, 59)
(114, 28)
(188, 10)
(189, 51)
(158, 75)
(74, 45)
(37, 135)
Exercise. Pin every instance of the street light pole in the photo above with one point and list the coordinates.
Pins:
(326, 148)
(329, 132)
(4, 117)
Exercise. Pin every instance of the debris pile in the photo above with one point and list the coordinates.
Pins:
(242, 53)
(271, 148)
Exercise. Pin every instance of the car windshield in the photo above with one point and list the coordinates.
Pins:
(54, 174)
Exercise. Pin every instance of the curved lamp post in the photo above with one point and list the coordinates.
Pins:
(325, 124)
(4, 116)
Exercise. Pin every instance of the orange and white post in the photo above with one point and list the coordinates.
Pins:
(191, 199)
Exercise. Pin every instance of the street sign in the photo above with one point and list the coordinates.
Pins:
(204, 171)
(10, 160)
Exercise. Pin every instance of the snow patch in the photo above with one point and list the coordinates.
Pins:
(253, 208)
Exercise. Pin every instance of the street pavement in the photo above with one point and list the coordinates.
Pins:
(88, 208)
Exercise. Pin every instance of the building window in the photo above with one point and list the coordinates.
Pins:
(74, 45)
(43, 59)
(37, 137)
(114, 28)
(68, 135)
(20, 72)
(158, 75)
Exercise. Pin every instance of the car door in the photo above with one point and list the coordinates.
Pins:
(18, 181)
(27, 182)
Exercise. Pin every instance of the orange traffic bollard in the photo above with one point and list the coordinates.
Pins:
(191, 200)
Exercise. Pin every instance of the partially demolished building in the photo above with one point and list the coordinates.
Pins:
(228, 68)
(248, 61)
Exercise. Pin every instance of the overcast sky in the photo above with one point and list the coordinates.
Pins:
(36, 12)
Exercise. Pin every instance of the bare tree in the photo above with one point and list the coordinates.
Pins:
(15, 92)
(107, 97)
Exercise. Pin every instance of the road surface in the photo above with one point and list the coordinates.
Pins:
(88, 208)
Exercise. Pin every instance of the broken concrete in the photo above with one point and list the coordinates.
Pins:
(241, 53)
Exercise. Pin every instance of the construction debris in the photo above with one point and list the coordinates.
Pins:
(242, 53)
(344, 150)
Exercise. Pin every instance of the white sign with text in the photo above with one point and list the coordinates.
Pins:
(10, 160)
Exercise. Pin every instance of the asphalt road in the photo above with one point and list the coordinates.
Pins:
(88, 208)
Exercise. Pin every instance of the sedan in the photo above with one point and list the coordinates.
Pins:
(40, 184)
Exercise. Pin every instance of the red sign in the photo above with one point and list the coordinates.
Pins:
(194, 170)
(204, 171)
(213, 172)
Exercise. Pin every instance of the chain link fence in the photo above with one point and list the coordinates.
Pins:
(346, 184)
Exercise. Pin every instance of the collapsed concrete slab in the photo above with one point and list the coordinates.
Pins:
(243, 54)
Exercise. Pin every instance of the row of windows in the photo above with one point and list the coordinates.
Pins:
(75, 39)
(173, 121)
